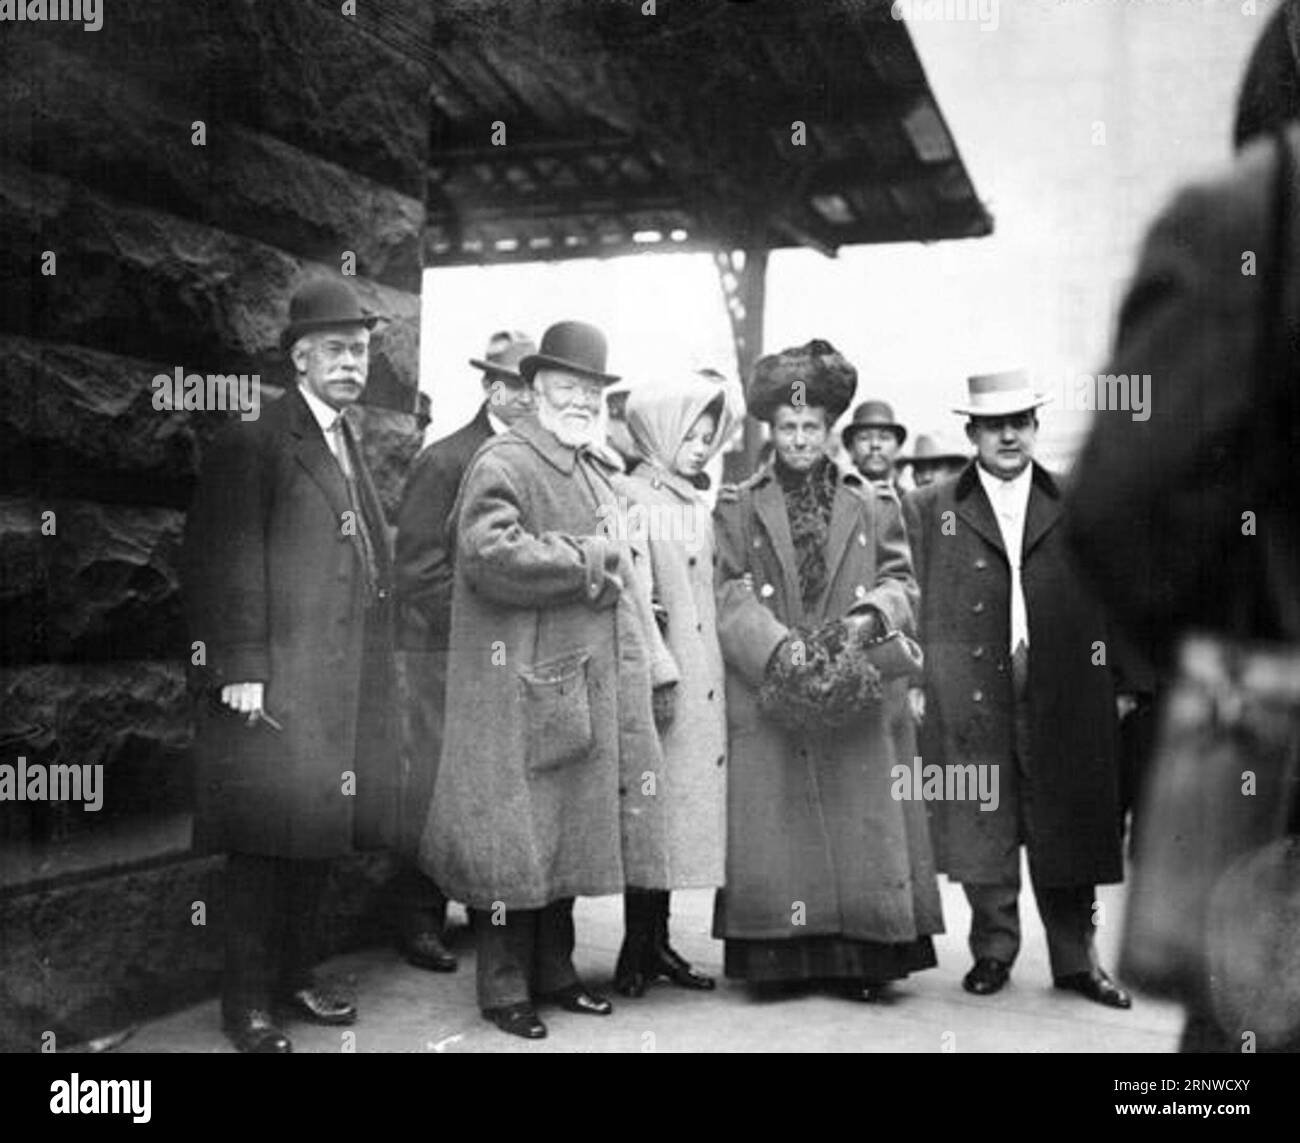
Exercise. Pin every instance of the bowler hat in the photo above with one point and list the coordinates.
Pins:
(873, 415)
(323, 304)
(1000, 394)
(573, 346)
(816, 375)
(504, 351)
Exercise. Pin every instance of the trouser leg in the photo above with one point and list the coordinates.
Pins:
(553, 964)
(994, 921)
(1067, 917)
(251, 929)
(421, 906)
(303, 888)
(505, 956)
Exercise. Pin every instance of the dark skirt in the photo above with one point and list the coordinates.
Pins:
(825, 958)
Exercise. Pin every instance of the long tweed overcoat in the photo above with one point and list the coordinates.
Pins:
(548, 714)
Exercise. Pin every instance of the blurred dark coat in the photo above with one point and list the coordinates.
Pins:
(810, 817)
(425, 573)
(548, 708)
(1071, 814)
(275, 587)
(1157, 510)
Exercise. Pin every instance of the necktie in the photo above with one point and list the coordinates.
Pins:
(343, 454)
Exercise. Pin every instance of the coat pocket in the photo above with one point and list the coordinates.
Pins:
(557, 711)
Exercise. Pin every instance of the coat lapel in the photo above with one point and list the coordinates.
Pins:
(1044, 509)
(846, 518)
(769, 506)
(974, 508)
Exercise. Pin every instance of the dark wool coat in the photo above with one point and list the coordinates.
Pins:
(274, 583)
(425, 572)
(548, 714)
(811, 819)
(1070, 819)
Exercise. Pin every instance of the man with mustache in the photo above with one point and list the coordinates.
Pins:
(287, 579)
(549, 718)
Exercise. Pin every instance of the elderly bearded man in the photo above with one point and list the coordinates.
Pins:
(549, 713)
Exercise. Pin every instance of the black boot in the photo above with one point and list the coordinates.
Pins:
(662, 960)
(630, 977)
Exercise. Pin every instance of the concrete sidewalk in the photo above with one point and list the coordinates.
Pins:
(404, 1009)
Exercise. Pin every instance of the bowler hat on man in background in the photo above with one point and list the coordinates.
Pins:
(573, 346)
(873, 415)
(936, 447)
(323, 303)
(1000, 395)
(505, 350)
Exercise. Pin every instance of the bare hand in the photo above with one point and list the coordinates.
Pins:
(1125, 705)
(916, 702)
(243, 697)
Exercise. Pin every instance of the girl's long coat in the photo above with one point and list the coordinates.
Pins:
(683, 846)
(548, 695)
(816, 844)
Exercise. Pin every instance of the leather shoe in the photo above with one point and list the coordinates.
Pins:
(1097, 987)
(987, 977)
(254, 1032)
(426, 950)
(664, 961)
(517, 1019)
(319, 1006)
(576, 998)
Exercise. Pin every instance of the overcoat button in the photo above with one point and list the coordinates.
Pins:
(862, 539)
(691, 561)
(758, 543)
(860, 592)
(699, 627)
(977, 696)
(767, 590)
(981, 564)
(710, 694)
(721, 759)
(977, 607)
(622, 791)
(977, 653)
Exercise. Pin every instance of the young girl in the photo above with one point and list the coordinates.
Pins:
(675, 835)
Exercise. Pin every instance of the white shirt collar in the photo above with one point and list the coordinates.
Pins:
(325, 416)
(498, 425)
(1014, 491)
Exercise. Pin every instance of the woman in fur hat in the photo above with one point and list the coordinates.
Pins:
(830, 879)
(674, 830)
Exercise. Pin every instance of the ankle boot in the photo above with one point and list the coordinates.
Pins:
(662, 959)
(630, 977)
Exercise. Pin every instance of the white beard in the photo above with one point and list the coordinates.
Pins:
(567, 433)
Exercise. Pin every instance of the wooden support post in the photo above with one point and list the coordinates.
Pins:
(743, 277)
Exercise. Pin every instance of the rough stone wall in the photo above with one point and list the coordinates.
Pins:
(167, 254)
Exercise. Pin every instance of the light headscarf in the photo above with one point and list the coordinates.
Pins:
(659, 414)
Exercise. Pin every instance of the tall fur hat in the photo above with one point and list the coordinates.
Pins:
(816, 374)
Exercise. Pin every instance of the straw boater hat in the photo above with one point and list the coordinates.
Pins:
(504, 352)
(816, 375)
(1000, 394)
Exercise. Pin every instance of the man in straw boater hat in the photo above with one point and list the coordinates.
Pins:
(425, 568)
(830, 881)
(1018, 690)
(287, 579)
(549, 710)
(873, 439)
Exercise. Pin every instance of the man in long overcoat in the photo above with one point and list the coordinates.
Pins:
(425, 574)
(549, 713)
(829, 878)
(1021, 684)
(287, 578)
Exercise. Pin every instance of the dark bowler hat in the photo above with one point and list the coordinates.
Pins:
(504, 352)
(574, 346)
(323, 303)
(873, 415)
